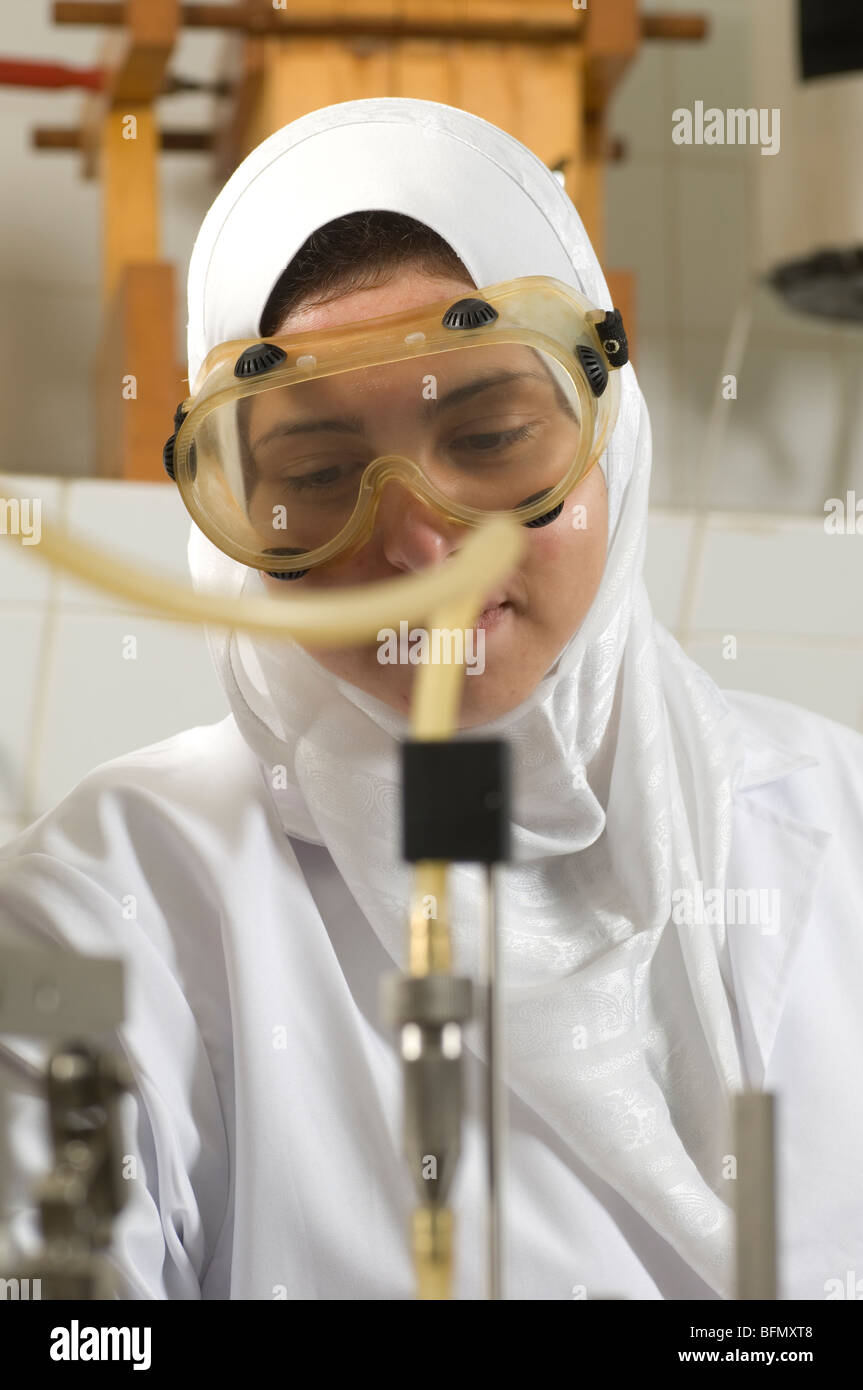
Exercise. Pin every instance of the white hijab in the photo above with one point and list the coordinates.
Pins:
(625, 755)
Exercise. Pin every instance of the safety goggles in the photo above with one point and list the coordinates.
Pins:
(498, 402)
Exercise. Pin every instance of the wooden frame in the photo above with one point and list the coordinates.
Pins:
(543, 71)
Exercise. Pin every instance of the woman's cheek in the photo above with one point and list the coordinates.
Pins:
(566, 559)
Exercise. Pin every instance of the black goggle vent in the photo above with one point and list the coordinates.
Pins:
(284, 574)
(260, 357)
(594, 368)
(469, 313)
(544, 520)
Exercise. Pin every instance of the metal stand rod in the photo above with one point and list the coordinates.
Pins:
(496, 1125)
(756, 1195)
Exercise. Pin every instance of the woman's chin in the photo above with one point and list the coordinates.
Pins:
(486, 693)
(493, 658)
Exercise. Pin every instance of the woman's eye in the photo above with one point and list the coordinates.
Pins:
(322, 478)
(330, 476)
(500, 439)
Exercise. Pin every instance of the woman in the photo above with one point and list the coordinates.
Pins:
(262, 853)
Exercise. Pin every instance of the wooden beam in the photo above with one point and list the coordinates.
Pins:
(150, 30)
(337, 24)
(622, 288)
(128, 170)
(202, 16)
(134, 65)
(93, 110)
(242, 64)
(68, 138)
(138, 385)
(611, 40)
(424, 68)
(674, 26)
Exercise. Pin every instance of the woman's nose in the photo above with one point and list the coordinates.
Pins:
(413, 535)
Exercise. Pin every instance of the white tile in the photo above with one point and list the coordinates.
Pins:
(716, 70)
(795, 427)
(669, 537)
(637, 227)
(49, 339)
(709, 230)
(21, 644)
(655, 377)
(142, 523)
(695, 366)
(828, 680)
(24, 577)
(186, 191)
(102, 705)
(638, 110)
(783, 450)
(781, 576)
(773, 316)
(51, 223)
(848, 452)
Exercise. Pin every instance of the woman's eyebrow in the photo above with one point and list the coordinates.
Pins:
(470, 388)
(345, 424)
(353, 424)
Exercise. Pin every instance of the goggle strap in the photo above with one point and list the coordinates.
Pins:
(168, 450)
(612, 334)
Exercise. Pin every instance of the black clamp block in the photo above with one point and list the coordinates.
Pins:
(456, 800)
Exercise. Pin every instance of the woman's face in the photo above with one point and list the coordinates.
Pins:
(531, 612)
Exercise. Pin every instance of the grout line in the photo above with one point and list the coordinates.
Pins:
(47, 653)
(796, 335)
(693, 573)
(675, 348)
(23, 608)
(806, 641)
(732, 519)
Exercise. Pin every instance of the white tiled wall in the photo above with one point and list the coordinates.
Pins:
(72, 694)
(684, 219)
(70, 698)
(741, 552)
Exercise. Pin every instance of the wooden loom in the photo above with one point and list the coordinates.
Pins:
(543, 70)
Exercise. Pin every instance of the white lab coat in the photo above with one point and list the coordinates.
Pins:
(268, 1157)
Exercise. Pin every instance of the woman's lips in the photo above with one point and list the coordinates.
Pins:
(493, 615)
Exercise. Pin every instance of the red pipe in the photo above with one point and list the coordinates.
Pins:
(14, 73)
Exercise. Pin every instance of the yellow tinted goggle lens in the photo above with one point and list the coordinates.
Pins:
(488, 427)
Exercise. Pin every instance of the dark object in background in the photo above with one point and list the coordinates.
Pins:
(828, 284)
(830, 37)
(828, 281)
